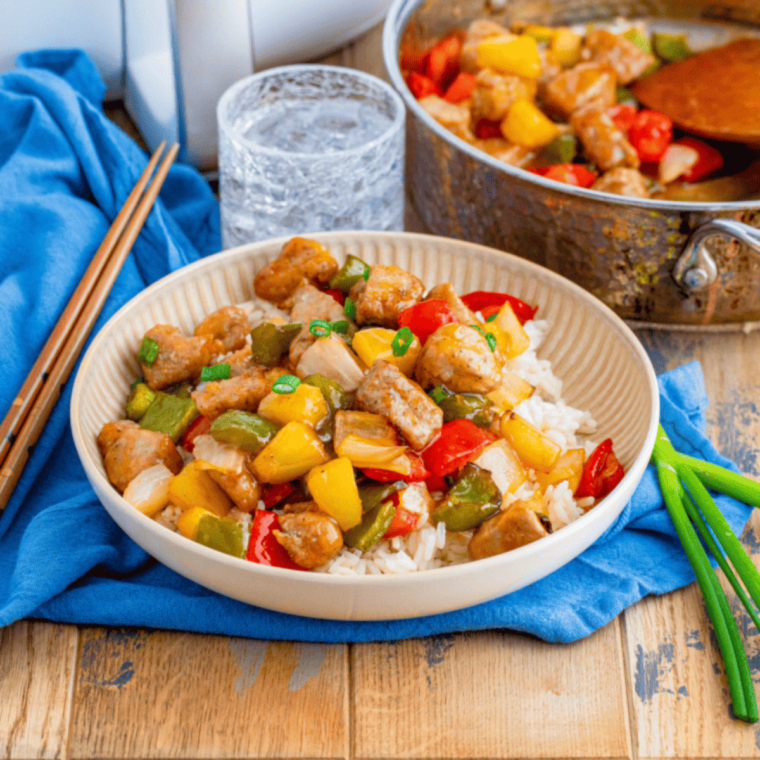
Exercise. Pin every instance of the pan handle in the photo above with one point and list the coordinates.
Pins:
(695, 269)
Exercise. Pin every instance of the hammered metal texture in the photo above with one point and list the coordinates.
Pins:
(620, 250)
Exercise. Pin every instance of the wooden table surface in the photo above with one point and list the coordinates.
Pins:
(648, 685)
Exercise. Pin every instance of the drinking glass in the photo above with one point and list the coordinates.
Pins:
(309, 148)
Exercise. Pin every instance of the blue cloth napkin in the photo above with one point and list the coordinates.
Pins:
(64, 172)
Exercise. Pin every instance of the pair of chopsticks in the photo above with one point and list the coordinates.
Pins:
(32, 406)
(684, 482)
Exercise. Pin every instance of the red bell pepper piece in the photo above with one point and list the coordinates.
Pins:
(421, 86)
(623, 116)
(199, 426)
(263, 547)
(570, 174)
(461, 88)
(274, 494)
(601, 473)
(709, 161)
(403, 521)
(425, 317)
(443, 62)
(486, 129)
(338, 295)
(459, 442)
(650, 134)
(418, 472)
(412, 57)
(436, 483)
(488, 303)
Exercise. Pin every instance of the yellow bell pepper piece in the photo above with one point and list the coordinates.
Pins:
(517, 339)
(566, 46)
(535, 449)
(305, 404)
(375, 343)
(291, 453)
(333, 487)
(194, 487)
(569, 467)
(539, 33)
(526, 125)
(188, 521)
(510, 55)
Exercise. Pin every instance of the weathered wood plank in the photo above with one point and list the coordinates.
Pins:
(142, 694)
(681, 704)
(490, 695)
(36, 670)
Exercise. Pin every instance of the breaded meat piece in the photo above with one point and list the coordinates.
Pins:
(310, 303)
(603, 142)
(577, 87)
(179, 358)
(386, 390)
(311, 538)
(495, 92)
(623, 181)
(228, 325)
(388, 291)
(627, 59)
(241, 392)
(445, 291)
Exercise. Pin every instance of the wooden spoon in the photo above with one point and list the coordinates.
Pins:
(714, 94)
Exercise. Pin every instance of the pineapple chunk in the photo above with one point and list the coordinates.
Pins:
(194, 487)
(188, 521)
(290, 454)
(305, 404)
(507, 472)
(333, 487)
(512, 391)
(375, 343)
(569, 467)
(535, 450)
(566, 46)
(517, 340)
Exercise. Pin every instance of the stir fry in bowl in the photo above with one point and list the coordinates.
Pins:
(558, 103)
(352, 421)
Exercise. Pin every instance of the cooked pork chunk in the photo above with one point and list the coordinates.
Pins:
(310, 303)
(241, 392)
(506, 530)
(228, 325)
(602, 141)
(386, 390)
(458, 357)
(495, 92)
(332, 358)
(454, 116)
(577, 87)
(179, 358)
(310, 538)
(628, 60)
(446, 292)
(241, 487)
(240, 361)
(502, 150)
(300, 261)
(388, 291)
(127, 450)
(623, 181)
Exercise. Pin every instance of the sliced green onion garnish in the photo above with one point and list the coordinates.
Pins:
(340, 327)
(349, 309)
(286, 384)
(319, 328)
(491, 340)
(492, 317)
(401, 341)
(479, 329)
(215, 372)
(438, 394)
(366, 274)
(148, 352)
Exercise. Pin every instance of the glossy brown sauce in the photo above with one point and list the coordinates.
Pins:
(714, 94)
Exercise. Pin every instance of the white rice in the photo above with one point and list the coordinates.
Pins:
(430, 546)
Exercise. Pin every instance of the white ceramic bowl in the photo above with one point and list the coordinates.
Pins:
(601, 362)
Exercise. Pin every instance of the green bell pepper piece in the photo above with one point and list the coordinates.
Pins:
(353, 270)
(221, 534)
(269, 342)
(671, 47)
(468, 406)
(561, 150)
(372, 527)
(243, 429)
(140, 398)
(169, 414)
(472, 500)
(372, 494)
(332, 391)
(625, 97)
(181, 390)
(639, 39)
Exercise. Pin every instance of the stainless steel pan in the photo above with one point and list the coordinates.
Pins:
(656, 262)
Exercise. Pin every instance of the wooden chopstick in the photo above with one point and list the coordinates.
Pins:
(31, 409)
